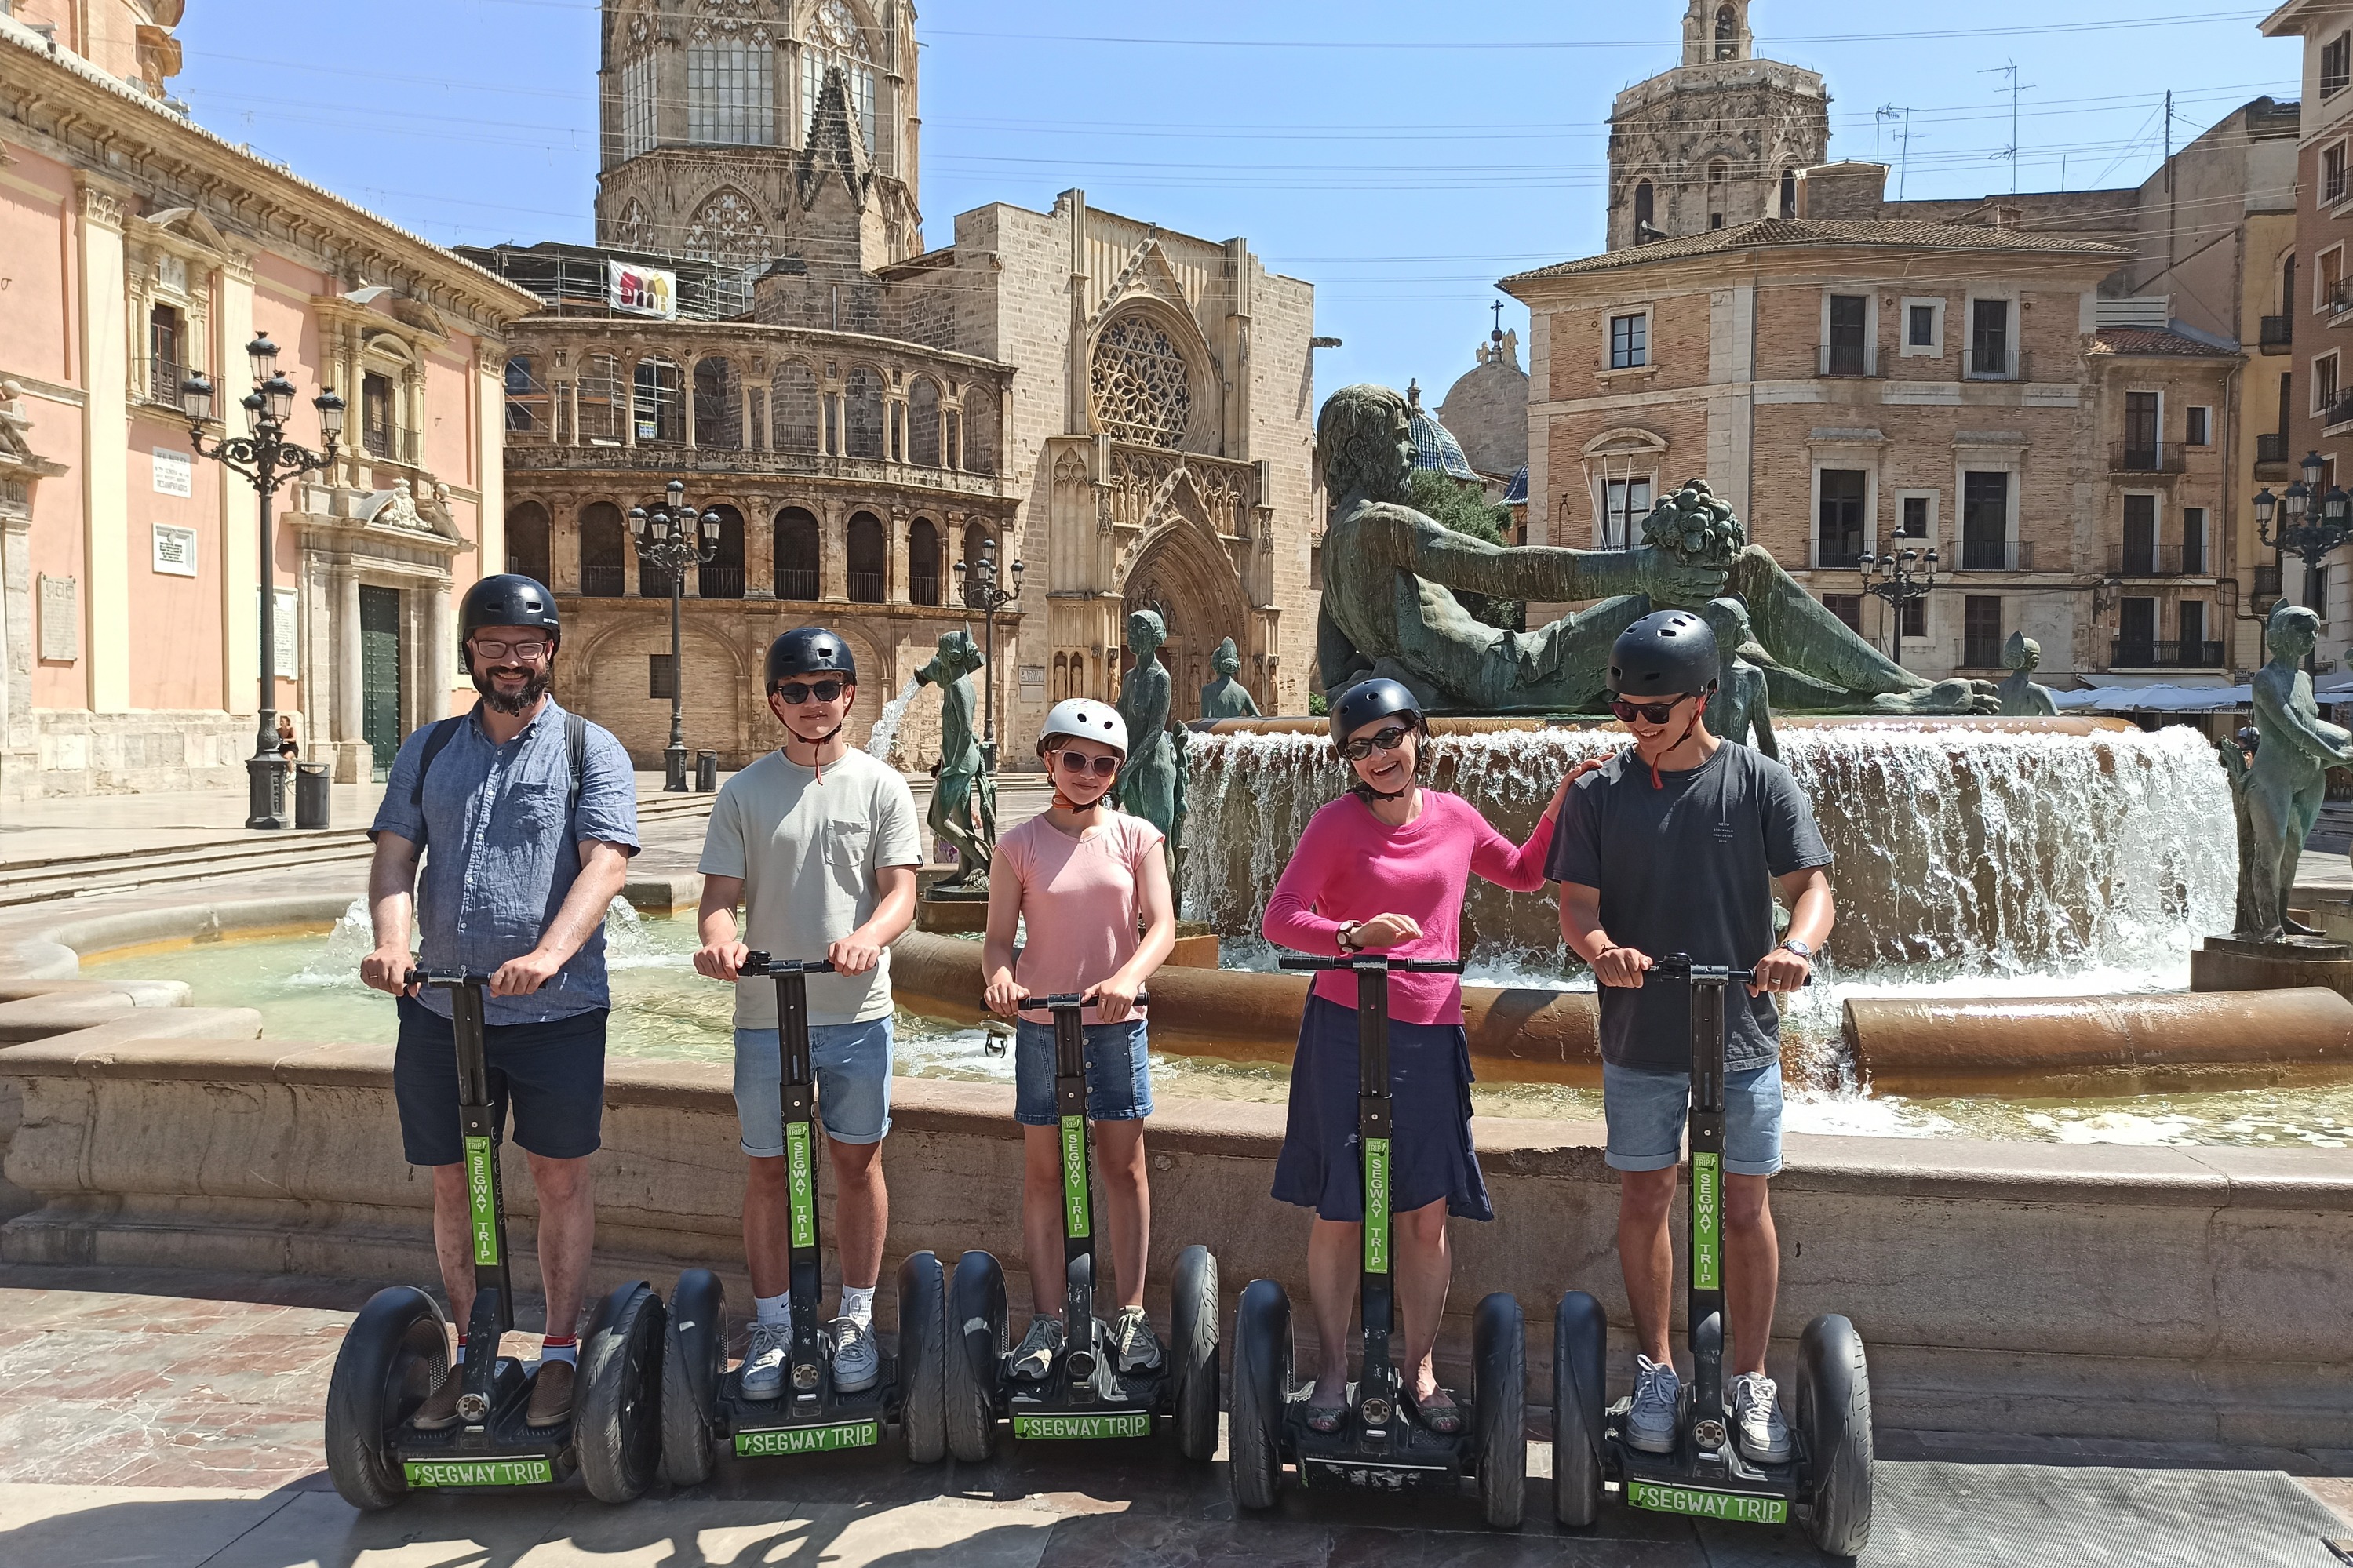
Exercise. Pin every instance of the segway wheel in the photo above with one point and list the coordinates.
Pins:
(1193, 1323)
(1499, 1361)
(1262, 1390)
(395, 1353)
(694, 1358)
(1580, 1359)
(923, 1358)
(617, 1432)
(976, 1341)
(1834, 1418)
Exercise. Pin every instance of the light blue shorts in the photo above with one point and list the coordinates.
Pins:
(853, 1085)
(1647, 1113)
(1118, 1073)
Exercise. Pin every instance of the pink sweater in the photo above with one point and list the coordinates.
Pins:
(1351, 866)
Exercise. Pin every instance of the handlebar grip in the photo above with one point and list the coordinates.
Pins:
(1427, 966)
(1309, 961)
(760, 963)
(447, 979)
(1394, 965)
(1071, 1001)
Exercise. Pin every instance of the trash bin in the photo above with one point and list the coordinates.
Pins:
(706, 771)
(311, 782)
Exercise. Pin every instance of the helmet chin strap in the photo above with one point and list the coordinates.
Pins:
(817, 744)
(1699, 712)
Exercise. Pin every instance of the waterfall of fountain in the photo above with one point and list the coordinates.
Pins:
(886, 723)
(1956, 849)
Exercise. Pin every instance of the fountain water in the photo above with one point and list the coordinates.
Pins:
(886, 723)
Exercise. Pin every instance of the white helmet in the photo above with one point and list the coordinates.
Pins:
(1084, 718)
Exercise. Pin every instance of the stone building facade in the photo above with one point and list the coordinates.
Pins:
(140, 247)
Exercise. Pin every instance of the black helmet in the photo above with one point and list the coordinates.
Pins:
(1667, 653)
(509, 599)
(810, 650)
(1367, 700)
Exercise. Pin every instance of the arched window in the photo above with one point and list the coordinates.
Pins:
(727, 233)
(836, 41)
(599, 393)
(1717, 174)
(924, 422)
(979, 430)
(635, 231)
(661, 400)
(718, 404)
(923, 561)
(527, 542)
(866, 560)
(1645, 206)
(1727, 34)
(723, 577)
(793, 409)
(638, 91)
(795, 554)
(862, 396)
(1788, 192)
(1143, 389)
(730, 83)
(975, 545)
(604, 546)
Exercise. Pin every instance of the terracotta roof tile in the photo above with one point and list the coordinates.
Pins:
(2157, 341)
(1878, 233)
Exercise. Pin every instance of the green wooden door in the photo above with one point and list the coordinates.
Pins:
(380, 673)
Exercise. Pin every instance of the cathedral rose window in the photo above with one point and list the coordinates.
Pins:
(1142, 389)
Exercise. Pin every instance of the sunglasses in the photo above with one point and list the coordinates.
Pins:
(802, 691)
(1384, 740)
(485, 647)
(1650, 712)
(1080, 763)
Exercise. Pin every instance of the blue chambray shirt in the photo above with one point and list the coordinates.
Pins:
(500, 857)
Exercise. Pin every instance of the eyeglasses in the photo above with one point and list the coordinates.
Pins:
(1383, 740)
(1071, 762)
(1650, 712)
(802, 691)
(534, 648)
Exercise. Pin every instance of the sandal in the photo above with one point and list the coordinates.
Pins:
(1439, 1412)
(1326, 1419)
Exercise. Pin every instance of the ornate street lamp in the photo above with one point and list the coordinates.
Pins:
(264, 456)
(2311, 524)
(980, 591)
(1898, 578)
(666, 541)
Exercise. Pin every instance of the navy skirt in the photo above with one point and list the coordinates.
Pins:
(1431, 1155)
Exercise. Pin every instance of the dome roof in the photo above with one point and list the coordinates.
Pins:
(1487, 407)
(1516, 494)
(1434, 446)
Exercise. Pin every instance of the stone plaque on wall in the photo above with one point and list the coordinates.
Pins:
(60, 619)
(175, 550)
(1033, 674)
(175, 472)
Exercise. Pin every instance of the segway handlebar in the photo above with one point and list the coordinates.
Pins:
(1071, 1001)
(1372, 960)
(1680, 963)
(758, 963)
(445, 979)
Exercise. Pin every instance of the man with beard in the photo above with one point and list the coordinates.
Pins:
(531, 814)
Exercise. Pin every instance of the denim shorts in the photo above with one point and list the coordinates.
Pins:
(553, 1073)
(1646, 1113)
(853, 1085)
(1118, 1073)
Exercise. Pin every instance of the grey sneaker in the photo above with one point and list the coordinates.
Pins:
(764, 1361)
(1134, 1345)
(857, 1360)
(1650, 1425)
(1764, 1435)
(1040, 1346)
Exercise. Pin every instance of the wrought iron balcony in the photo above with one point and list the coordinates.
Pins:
(2138, 655)
(1850, 359)
(2277, 332)
(2138, 559)
(2140, 457)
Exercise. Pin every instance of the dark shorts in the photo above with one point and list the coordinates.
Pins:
(552, 1073)
(1429, 1119)
(1118, 1073)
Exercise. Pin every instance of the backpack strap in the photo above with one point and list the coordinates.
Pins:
(437, 740)
(575, 746)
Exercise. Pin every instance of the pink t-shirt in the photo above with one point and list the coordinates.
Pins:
(1352, 866)
(1080, 902)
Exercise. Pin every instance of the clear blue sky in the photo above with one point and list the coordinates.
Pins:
(1400, 156)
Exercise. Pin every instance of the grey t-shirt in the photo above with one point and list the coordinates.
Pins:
(807, 853)
(1686, 868)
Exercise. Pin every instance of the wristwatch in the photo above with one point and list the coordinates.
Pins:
(1801, 948)
(1346, 936)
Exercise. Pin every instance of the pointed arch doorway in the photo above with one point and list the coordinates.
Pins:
(1189, 579)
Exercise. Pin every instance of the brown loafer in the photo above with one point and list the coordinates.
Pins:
(550, 1395)
(439, 1411)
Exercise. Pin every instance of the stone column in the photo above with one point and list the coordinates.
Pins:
(896, 562)
(564, 543)
(347, 719)
(760, 547)
(437, 661)
(106, 450)
(751, 439)
(686, 396)
(628, 394)
(16, 627)
(833, 552)
(240, 509)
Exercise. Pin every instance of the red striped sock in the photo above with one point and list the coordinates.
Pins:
(560, 1347)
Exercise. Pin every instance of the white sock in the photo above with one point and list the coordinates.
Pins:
(777, 1309)
(569, 1351)
(858, 1304)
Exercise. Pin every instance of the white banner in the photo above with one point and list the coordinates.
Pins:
(640, 290)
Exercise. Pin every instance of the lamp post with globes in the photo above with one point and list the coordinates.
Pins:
(269, 459)
(666, 541)
(981, 591)
(1901, 577)
(2311, 524)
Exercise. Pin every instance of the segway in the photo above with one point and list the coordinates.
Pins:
(703, 1402)
(396, 1353)
(1082, 1394)
(1379, 1445)
(1826, 1483)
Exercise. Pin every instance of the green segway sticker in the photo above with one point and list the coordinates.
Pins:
(786, 1441)
(1075, 1219)
(536, 1472)
(1126, 1424)
(1707, 1222)
(800, 1178)
(1377, 1205)
(1700, 1503)
(479, 1156)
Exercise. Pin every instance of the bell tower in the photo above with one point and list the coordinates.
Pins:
(1717, 140)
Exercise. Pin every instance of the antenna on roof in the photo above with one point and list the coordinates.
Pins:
(2014, 88)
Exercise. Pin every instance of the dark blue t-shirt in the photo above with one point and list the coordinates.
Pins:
(1686, 868)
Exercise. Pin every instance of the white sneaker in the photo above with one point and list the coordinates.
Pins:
(1135, 1346)
(764, 1361)
(1039, 1348)
(857, 1360)
(1650, 1425)
(1764, 1435)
